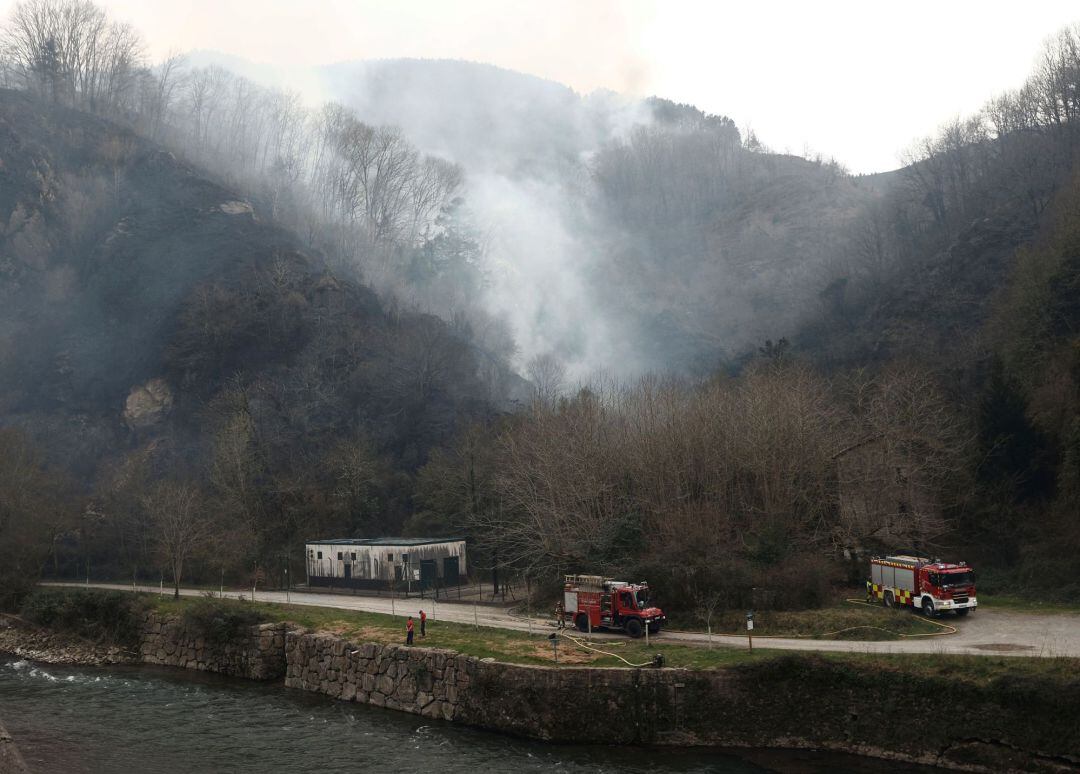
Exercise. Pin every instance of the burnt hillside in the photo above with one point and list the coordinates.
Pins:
(154, 322)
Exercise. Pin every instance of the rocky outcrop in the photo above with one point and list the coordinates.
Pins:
(147, 404)
(255, 653)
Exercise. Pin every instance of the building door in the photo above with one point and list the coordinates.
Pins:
(348, 571)
(450, 571)
(429, 573)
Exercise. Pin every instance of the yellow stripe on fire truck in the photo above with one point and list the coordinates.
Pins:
(902, 596)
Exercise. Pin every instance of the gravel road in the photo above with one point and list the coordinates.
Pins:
(986, 632)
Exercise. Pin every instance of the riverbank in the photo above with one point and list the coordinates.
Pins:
(1003, 715)
(25, 640)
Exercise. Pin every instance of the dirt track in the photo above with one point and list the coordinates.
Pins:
(986, 632)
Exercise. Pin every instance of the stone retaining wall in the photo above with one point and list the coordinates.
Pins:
(256, 653)
(795, 702)
(423, 681)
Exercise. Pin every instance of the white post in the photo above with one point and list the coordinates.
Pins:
(161, 585)
(433, 608)
(221, 591)
(475, 615)
(646, 634)
(393, 612)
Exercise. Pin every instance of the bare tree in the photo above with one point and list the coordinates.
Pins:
(181, 524)
(35, 510)
(548, 375)
(69, 51)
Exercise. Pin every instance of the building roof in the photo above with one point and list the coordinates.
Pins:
(384, 541)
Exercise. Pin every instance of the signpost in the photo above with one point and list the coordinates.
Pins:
(555, 645)
(750, 629)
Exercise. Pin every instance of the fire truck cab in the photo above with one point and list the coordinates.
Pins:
(593, 602)
(923, 584)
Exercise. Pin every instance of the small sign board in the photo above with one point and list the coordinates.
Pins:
(749, 624)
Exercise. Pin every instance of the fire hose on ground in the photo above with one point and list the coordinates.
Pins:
(944, 629)
(580, 644)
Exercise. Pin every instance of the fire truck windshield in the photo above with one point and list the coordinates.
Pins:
(642, 598)
(964, 578)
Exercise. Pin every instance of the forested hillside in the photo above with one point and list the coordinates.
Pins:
(160, 335)
(231, 321)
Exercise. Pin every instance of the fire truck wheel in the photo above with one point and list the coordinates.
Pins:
(928, 608)
(887, 600)
(582, 622)
(634, 628)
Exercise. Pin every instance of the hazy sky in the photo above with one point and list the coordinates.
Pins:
(857, 80)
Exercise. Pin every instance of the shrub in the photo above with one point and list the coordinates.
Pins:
(800, 582)
(221, 620)
(112, 616)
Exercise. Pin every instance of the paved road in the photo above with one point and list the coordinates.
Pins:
(986, 632)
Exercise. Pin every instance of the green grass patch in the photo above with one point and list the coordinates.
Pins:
(842, 621)
(483, 642)
(981, 670)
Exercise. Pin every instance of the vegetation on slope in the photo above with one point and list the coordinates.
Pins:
(197, 378)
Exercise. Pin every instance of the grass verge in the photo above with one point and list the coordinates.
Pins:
(1015, 604)
(841, 621)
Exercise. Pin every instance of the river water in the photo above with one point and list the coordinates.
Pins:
(136, 719)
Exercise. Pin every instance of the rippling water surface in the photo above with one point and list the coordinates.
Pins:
(134, 719)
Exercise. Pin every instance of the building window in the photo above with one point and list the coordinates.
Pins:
(339, 556)
(310, 553)
(354, 556)
(320, 554)
(389, 557)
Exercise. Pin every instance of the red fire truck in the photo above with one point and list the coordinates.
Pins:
(929, 585)
(594, 602)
